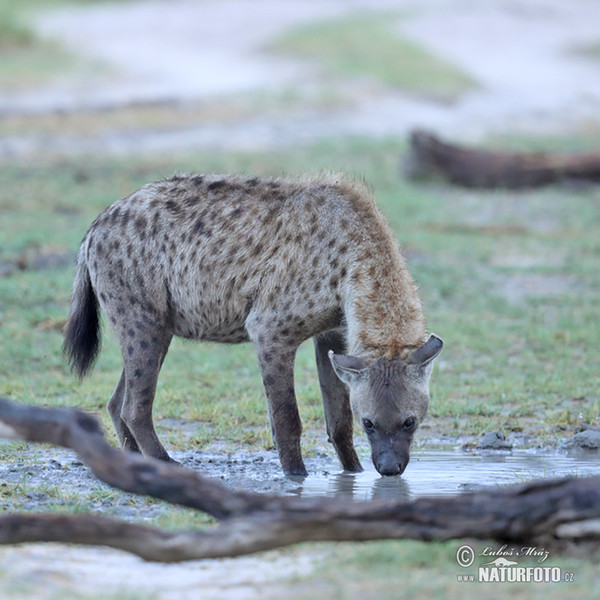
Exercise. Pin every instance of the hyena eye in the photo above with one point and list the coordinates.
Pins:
(410, 423)
(368, 425)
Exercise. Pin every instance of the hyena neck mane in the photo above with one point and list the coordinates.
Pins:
(384, 314)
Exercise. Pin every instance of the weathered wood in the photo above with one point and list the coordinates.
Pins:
(128, 471)
(429, 156)
(555, 513)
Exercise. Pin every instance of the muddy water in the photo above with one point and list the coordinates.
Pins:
(431, 472)
(448, 472)
(55, 476)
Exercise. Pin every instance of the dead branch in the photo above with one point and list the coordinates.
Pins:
(429, 156)
(554, 513)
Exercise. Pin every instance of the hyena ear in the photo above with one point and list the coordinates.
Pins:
(427, 352)
(422, 357)
(348, 368)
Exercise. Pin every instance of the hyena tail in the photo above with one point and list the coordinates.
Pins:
(82, 330)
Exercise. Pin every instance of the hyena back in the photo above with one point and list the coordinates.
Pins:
(275, 262)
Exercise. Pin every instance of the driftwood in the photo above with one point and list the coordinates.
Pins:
(429, 156)
(554, 513)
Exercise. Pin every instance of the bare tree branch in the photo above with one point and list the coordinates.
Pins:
(551, 512)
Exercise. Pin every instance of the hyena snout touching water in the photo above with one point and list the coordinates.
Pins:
(271, 261)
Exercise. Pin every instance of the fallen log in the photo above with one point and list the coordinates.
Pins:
(431, 157)
(561, 514)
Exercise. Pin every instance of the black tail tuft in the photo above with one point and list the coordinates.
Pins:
(82, 331)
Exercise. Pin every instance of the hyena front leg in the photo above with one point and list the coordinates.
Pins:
(276, 356)
(336, 401)
(278, 380)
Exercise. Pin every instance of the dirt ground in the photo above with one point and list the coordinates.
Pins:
(524, 55)
(39, 572)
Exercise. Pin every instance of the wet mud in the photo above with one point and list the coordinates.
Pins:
(38, 479)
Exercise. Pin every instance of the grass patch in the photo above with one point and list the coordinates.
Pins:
(582, 139)
(590, 50)
(129, 120)
(14, 32)
(366, 46)
(35, 63)
(25, 59)
(507, 349)
(427, 570)
(514, 353)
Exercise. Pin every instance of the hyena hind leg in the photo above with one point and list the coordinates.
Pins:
(143, 355)
(115, 407)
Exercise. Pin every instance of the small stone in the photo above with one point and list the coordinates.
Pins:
(586, 440)
(494, 440)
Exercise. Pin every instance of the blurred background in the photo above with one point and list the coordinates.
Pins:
(154, 76)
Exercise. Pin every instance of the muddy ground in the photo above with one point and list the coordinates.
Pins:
(532, 77)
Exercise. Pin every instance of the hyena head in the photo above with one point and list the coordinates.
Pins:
(389, 398)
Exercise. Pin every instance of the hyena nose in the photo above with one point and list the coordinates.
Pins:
(389, 466)
(389, 471)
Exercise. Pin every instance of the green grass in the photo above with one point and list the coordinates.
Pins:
(407, 569)
(27, 60)
(590, 50)
(14, 30)
(510, 356)
(583, 138)
(366, 46)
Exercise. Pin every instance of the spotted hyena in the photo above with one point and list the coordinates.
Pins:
(275, 262)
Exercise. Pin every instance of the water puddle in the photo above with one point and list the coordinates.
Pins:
(448, 472)
(43, 476)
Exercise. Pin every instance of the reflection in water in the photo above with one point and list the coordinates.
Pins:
(438, 473)
(359, 486)
(391, 488)
(343, 484)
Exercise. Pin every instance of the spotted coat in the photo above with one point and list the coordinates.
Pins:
(232, 259)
